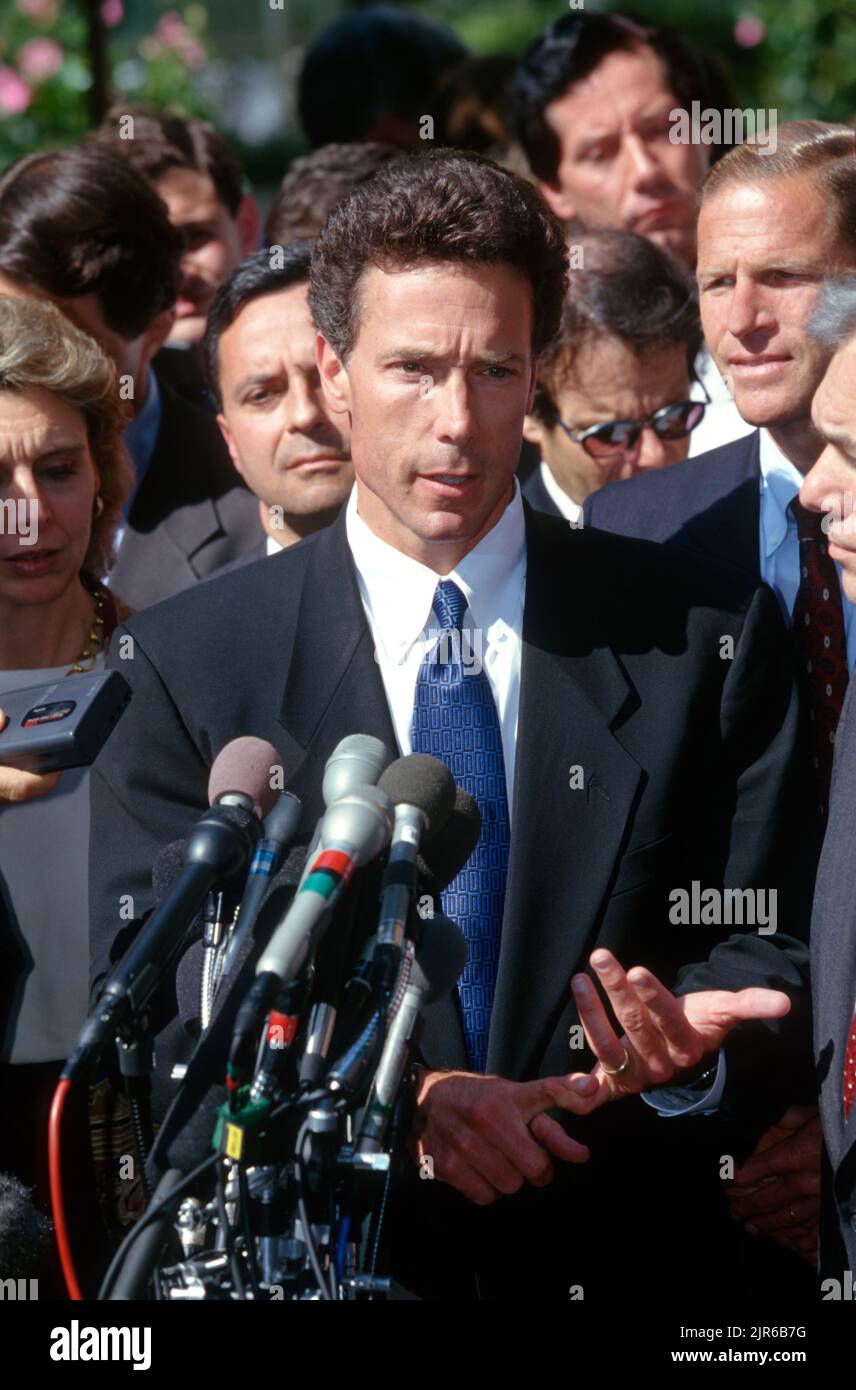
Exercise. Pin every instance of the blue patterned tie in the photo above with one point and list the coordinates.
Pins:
(455, 719)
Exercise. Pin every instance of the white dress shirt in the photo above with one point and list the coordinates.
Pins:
(398, 593)
(570, 510)
(781, 480)
(272, 547)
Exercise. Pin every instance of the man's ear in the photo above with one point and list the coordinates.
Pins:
(533, 430)
(249, 222)
(230, 444)
(156, 334)
(334, 376)
(557, 201)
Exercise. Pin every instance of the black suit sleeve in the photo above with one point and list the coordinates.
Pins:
(774, 845)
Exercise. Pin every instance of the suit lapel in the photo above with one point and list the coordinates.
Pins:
(334, 686)
(565, 842)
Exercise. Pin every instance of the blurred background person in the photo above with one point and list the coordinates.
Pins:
(61, 453)
(194, 170)
(316, 183)
(371, 75)
(590, 105)
(293, 453)
(470, 107)
(82, 228)
(613, 396)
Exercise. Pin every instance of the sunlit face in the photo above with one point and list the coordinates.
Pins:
(609, 381)
(830, 485)
(46, 465)
(213, 246)
(763, 252)
(618, 168)
(437, 385)
(291, 449)
(131, 355)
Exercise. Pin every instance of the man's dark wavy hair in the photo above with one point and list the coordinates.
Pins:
(448, 206)
(571, 48)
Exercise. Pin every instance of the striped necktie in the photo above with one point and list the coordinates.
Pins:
(455, 719)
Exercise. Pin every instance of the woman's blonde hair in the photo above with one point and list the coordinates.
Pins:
(39, 347)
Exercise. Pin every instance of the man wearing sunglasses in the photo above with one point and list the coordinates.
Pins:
(613, 396)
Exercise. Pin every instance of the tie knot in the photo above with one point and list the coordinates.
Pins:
(809, 524)
(449, 605)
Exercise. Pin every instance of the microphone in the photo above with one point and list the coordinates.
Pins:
(440, 958)
(356, 761)
(219, 846)
(281, 824)
(354, 830)
(440, 860)
(448, 851)
(184, 1138)
(423, 791)
(348, 1073)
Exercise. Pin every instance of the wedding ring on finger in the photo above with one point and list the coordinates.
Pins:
(616, 1071)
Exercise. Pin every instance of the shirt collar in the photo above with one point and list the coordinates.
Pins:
(400, 591)
(781, 481)
(570, 510)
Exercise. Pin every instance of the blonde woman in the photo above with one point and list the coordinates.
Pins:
(64, 475)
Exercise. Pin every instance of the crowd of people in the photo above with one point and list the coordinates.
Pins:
(540, 364)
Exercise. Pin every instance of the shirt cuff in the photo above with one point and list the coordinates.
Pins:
(686, 1099)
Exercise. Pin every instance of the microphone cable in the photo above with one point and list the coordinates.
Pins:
(57, 1202)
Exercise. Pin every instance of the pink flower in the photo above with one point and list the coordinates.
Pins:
(15, 93)
(42, 11)
(112, 13)
(749, 31)
(171, 29)
(193, 53)
(40, 58)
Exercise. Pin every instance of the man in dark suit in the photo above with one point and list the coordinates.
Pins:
(81, 227)
(615, 753)
(828, 491)
(289, 448)
(771, 227)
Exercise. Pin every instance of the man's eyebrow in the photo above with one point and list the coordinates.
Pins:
(256, 379)
(801, 267)
(422, 354)
(660, 107)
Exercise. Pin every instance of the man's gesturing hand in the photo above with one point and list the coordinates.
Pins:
(665, 1038)
(487, 1136)
(18, 786)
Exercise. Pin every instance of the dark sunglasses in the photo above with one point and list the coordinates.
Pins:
(619, 436)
